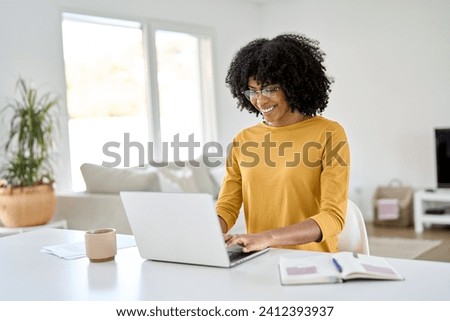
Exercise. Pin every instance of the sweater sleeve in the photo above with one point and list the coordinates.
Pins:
(229, 201)
(334, 182)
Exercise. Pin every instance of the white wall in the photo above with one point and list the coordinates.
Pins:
(30, 38)
(391, 64)
(390, 60)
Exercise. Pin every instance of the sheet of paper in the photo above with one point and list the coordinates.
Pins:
(76, 250)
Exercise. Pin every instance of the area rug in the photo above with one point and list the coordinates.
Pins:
(400, 247)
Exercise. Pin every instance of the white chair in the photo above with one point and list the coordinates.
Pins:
(353, 237)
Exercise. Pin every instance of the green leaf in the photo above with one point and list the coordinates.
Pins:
(30, 136)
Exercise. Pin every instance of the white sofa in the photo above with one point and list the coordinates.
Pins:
(86, 211)
(100, 205)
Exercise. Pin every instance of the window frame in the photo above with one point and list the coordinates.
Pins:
(206, 86)
(149, 28)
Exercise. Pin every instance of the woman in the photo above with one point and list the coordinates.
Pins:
(291, 171)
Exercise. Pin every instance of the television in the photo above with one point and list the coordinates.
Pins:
(442, 139)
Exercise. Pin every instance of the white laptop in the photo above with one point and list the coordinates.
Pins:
(181, 228)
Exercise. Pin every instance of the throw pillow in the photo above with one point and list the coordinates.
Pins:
(218, 173)
(100, 179)
(190, 178)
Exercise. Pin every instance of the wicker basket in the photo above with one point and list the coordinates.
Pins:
(27, 206)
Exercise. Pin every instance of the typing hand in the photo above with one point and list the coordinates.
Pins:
(227, 237)
(249, 242)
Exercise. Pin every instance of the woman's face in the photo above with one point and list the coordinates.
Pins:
(273, 106)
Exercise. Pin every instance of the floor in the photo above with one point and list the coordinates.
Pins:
(440, 253)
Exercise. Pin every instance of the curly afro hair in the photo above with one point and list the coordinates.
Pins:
(292, 61)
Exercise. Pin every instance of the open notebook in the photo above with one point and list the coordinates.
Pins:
(334, 268)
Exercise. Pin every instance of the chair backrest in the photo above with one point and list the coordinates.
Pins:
(353, 237)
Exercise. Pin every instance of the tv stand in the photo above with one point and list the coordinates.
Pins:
(431, 201)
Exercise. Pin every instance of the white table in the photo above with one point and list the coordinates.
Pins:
(28, 274)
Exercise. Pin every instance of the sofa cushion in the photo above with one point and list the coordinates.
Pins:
(190, 177)
(168, 185)
(217, 174)
(100, 179)
(87, 211)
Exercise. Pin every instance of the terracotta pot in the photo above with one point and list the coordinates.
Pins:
(27, 206)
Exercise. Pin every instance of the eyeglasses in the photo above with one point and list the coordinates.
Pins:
(268, 92)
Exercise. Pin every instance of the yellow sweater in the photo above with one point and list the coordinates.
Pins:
(284, 175)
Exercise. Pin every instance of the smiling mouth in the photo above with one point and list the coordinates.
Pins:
(264, 111)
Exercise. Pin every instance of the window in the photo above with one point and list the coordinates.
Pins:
(130, 82)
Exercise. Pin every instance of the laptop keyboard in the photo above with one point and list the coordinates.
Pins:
(235, 253)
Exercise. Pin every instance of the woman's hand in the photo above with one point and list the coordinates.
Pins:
(299, 233)
(227, 237)
(249, 242)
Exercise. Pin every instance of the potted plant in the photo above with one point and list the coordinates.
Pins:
(27, 197)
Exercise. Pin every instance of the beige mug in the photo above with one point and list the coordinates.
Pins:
(101, 245)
